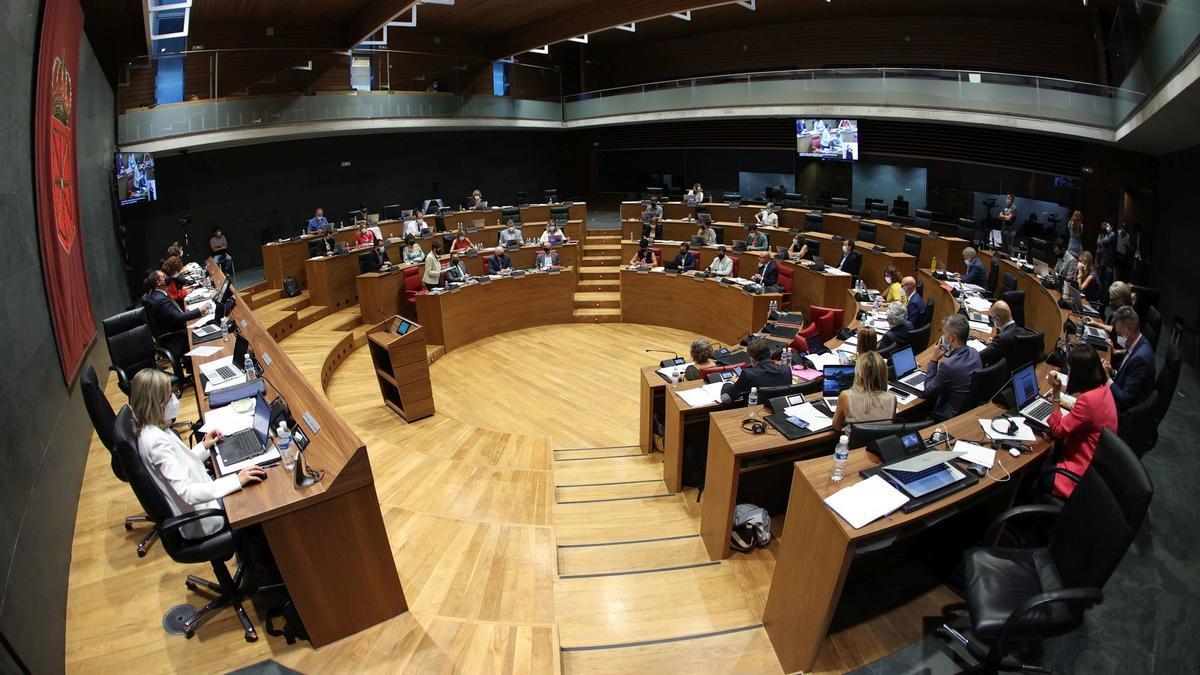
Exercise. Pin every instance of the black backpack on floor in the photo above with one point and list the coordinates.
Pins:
(291, 287)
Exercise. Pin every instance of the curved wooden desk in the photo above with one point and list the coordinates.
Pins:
(705, 307)
(1041, 304)
(476, 311)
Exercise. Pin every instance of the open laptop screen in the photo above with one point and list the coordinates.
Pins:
(837, 379)
(1025, 385)
(904, 362)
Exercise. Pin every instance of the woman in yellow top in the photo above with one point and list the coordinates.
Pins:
(891, 279)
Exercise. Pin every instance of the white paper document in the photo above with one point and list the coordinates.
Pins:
(1023, 433)
(866, 501)
(203, 350)
(977, 345)
(979, 327)
(833, 270)
(698, 397)
(817, 420)
(819, 361)
(976, 454)
(978, 304)
(228, 419)
(666, 370)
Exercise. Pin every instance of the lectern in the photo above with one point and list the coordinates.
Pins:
(402, 367)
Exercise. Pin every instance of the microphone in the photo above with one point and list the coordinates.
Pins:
(664, 351)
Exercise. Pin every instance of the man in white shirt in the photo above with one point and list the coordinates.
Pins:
(721, 265)
(696, 193)
(768, 216)
(414, 223)
(510, 233)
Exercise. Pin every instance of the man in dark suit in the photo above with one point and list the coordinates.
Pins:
(686, 260)
(1106, 256)
(167, 321)
(1004, 336)
(948, 378)
(457, 272)
(974, 274)
(763, 372)
(851, 260)
(499, 262)
(915, 305)
(898, 327)
(768, 272)
(1133, 381)
(378, 259)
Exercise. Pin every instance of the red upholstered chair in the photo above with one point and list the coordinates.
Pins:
(705, 372)
(486, 259)
(735, 260)
(809, 332)
(799, 345)
(413, 283)
(828, 321)
(785, 280)
(658, 261)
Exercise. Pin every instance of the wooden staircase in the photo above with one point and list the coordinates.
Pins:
(598, 296)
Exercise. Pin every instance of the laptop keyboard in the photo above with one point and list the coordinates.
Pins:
(240, 447)
(1039, 411)
(226, 372)
(910, 476)
(914, 379)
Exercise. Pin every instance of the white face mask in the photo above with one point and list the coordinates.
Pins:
(171, 409)
(966, 263)
(1121, 341)
(887, 280)
(845, 250)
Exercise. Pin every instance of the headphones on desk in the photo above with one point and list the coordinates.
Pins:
(756, 427)
(1004, 425)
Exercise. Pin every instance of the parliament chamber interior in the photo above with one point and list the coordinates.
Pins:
(595, 336)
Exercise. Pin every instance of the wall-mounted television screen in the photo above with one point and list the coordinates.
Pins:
(829, 139)
(135, 178)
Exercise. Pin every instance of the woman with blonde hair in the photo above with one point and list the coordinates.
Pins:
(178, 471)
(1086, 279)
(869, 399)
(1075, 232)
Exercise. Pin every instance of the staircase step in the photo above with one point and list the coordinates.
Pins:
(598, 315)
(608, 238)
(607, 299)
(311, 314)
(599, 273)
(600, 248)
(602, 260)
(259, 299)
(600, 285)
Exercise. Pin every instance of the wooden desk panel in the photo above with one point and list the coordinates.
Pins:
(382, 295)
(286, 258)
(841, 224)
(823, 289)
(683, 230)
(332, 280)
(706, 307)
(478, 311)
(948, 250)
(1041, 304)
(875, 262)
(526, 257)
(485, 218)
(888, 235)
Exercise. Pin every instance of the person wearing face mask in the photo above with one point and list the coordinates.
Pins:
(974, 273)
(547, 259)
(948, 377)
(1133, 380)
(898, 327)
(686, 260)
(412, 250)
(915, 305)
(456, 272)
(499, 262)
(644, 255)
(767, 216)
(432, 276)
(721, 265)
(851, 261)
(318, 222)
(1106, 254)
(1086, 279)
(413, 224)
(219, 246)
(1008, 215)
(1065, 267)
(510, 233)
(1003, 344)
(1078, 432)
(378, 260)
(177, 470)
(799, 249)
(767, 273)
(552, 235)
(755, 240)
(476, 200)
(365, 235)
(461, 242)
(707, 234)
(891, 281)
(696, 193)
(167, 321)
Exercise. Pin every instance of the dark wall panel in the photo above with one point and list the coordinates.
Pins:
(1173, 267)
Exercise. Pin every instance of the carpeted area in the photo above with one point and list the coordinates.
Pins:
(1151, 612)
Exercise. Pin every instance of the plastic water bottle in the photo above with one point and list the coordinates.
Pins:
(772, 308)
(752, 401)
(675, 375)
(248, 366)
(787, 357)
(284, 441)
(840, 453)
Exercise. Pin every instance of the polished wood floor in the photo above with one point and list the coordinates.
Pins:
(530, 535)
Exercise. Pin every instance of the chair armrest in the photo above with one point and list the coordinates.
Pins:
(121, 376)
(1028, 509)
(1084, 595)
(166, 353)
(171, 524)
(1074, 477)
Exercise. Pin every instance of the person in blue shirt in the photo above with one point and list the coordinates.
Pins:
(915, 305)
(1133, 381)
(686, 260)
(974, 273)
(317, 222)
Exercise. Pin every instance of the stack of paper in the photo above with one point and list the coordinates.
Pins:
(979, 327)
(805, 374)
(977, 304)
(203, 350)
(702, 396)
(667, 370)
(228, 419)
(238, 379)
(817, 421)
(866, 501)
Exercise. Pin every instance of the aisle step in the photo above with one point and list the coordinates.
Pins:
(311, 314)
(602, 260)
(591, 247)
(598, 315)
(746, 652)
(600, 285)
(596, 494)
(625, 520)
(434, 352)
(607, 299)
(263, 297)
(610, 470)
(658, 553)
(599, 272)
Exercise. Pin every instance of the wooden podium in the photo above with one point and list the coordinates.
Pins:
(402, 367)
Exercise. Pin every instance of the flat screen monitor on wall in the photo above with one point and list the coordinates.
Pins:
(135, 177)
(827, 139)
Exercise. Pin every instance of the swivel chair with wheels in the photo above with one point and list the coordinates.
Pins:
(131, 347)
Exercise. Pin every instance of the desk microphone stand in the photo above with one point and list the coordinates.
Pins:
(303, 475)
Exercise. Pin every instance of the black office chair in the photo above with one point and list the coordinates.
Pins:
(1028, 595)
(886, 352)
(104, 421)
(1138, 426)
(131, 346)
(879, 211)
(1144, 297)
(927, 317)
(1167, 381)
(993, 277)
(166, 338)
(966, 229)
(364, 263)
(900, 207)
(1016, 303)
(912, 245)
(522, 199)
(985, 382)
(1038, 249)
(1010, 283)
(861, 434)
(1151, 326)
(1027, 349)
(813, 221)
(866, 232)
(840, 204)
(510, 212)
(919, 337)
(215, 548)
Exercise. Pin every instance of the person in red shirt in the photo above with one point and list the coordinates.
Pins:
(1078, 431)
(171, 268)
(365, 235)
(461, 242)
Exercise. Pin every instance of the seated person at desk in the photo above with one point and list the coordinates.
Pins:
(898, 327)
(767, 273)
(317, 223)
(547, 259)
(948, 378)
(1133, 380)
(499, 263)
(869, 399)
(378, 259)
(866, 340)
(1078, 431)
(851, 261)
(219, 246)
(414, 223)
(510, 233)
(1086, 279)
(1004, 336)
(553, 235)
(360, 216)
(328, 245)
(915, 305)
(460, 242)
(685, 261)
(755, 240)
(891, 279)
(974, 273)
(767, 216)
(644, 255)
(702, 357)
(167, 319)
(707, 234)
(456, 271)
(432, 276)
(412, 250)
(696, 193)
(1065, 267)
(476, 201)
(721, 265)
(799, 249)
(175, 284)
(365, 235)
(178, 471)
(763, 372)
(1119, 295)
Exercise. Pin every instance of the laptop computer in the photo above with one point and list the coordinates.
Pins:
(697, 240)
(818, 263)
(223, 370)
(907, 376)
(924, 473)
(1030, 403)
(1094, 335)
(247, 443)
(836, 380)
